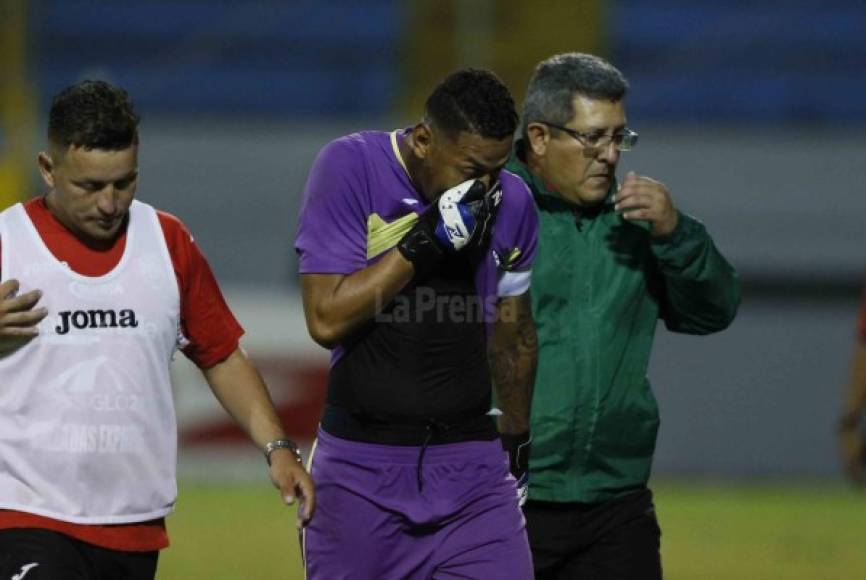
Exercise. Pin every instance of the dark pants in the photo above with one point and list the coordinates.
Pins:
(33, 554)
(614, 540)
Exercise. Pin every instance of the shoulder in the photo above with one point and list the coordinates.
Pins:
(177, 235)
(11, 209)
(171, 224)
(515, 192)
(343, 170)
(6, 213)
(517, 202)
(351, 151)
(344, 162)
(515, 234)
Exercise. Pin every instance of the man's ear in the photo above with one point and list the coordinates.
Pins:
(537, 138)
(421, 140)
(46, 168)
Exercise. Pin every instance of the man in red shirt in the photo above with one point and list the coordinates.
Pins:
(852, 424)
(97, 291)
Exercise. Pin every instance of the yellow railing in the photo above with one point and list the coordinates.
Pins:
(507, 36)
(17, 105)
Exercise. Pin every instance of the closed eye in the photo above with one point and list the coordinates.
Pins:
(90, 185)
(125, 183)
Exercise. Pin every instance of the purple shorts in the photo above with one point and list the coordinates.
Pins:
(372, 522)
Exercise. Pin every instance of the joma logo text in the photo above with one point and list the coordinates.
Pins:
(82, 319)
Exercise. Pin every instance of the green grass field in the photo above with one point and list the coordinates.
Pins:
(710, 532)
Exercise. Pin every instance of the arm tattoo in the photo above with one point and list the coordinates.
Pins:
(513, 357)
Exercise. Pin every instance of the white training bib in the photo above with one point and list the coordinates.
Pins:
(87, 424)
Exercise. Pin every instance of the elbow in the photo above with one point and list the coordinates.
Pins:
(727, 321)
(324, 334)
(721, 321)
(322, 327)
(712, 327)
(700, 326)
(727, 313)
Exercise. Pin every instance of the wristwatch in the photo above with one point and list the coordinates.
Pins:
(272, 446)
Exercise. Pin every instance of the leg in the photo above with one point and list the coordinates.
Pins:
(34, 554)
(487, 540)
(489, 552)
(551, 537)
(350, 537)
(626, 547)
(359, 530)
(112, 564)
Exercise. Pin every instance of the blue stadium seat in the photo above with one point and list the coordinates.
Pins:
(762, 60)
(265, 57)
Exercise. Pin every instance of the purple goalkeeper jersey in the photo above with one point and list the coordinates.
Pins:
(425, 354)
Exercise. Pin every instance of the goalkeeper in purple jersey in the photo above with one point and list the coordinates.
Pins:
(415, 249)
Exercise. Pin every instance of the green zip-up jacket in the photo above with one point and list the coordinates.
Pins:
(599, 286)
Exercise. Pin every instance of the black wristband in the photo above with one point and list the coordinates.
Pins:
(511, 441)
(518, 446)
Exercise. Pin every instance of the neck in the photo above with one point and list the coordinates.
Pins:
(537, 166)
(411, 163)
(62, 219)
(533, 162)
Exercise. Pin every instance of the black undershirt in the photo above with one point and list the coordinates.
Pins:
(418, 372)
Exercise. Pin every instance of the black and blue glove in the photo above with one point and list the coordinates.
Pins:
(458, 221)
(518, 446)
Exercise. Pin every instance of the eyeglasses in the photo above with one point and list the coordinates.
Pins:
(624, 140)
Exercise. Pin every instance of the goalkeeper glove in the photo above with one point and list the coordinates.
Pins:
(518, 447)
(455, 222)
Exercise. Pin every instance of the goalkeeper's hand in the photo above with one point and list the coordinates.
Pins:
(518, 447)
(457, 221)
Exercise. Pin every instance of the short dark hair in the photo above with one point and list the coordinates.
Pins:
(472, 100)
(93, 115)
(558, 79)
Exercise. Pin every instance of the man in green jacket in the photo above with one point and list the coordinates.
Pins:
(612, 259)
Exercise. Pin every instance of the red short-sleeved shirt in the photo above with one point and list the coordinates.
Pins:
(206, 321)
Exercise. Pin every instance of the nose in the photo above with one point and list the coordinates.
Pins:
(609, 154)
(106, 203)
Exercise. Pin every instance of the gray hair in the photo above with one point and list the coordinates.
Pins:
(558, 79)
